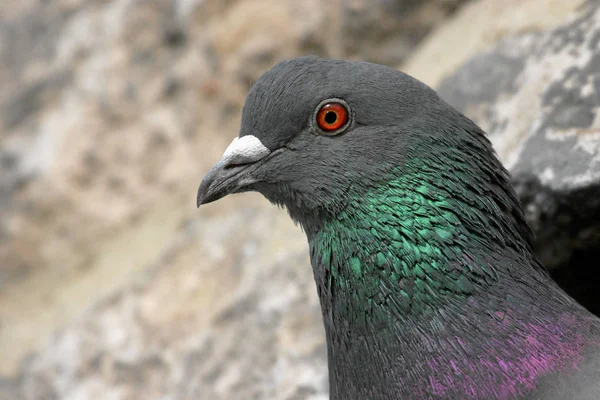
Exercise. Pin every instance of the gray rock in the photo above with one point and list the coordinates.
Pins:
(538, 96)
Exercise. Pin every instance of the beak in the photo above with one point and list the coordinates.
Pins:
(232, 172)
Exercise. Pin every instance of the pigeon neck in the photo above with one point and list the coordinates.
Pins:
(423, 239)
(421, 273)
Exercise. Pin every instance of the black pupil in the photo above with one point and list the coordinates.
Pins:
(330, 117)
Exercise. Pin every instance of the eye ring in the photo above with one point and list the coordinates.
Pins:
(332, 117)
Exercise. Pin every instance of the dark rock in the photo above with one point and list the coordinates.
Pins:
(174, 36)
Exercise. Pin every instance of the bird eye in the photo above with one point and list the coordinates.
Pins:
(332, 116)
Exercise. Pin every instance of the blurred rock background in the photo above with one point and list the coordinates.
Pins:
(113, 285)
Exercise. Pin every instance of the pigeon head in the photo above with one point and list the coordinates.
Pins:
(314, 130)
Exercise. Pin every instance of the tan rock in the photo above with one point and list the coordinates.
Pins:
(477, 27)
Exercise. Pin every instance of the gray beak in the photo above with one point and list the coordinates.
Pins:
(232, 172)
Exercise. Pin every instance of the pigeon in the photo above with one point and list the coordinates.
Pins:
(423, 261)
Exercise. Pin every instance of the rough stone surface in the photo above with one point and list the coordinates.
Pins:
(110, 112)
(538, 96)
(243, 323)
(384, 31)
(477, 27)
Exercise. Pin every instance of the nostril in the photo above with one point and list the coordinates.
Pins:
(233, 165)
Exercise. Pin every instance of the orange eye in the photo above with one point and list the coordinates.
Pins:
(332, 116)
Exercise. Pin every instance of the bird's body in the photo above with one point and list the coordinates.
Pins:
(423, 261)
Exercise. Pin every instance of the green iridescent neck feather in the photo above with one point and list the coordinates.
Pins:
(402, 246)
